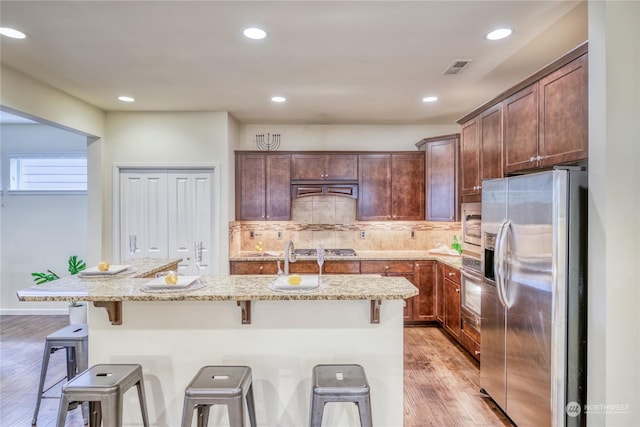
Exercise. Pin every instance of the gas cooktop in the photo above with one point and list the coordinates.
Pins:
(328, 252)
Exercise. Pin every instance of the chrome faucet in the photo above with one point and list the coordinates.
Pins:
(289, 256)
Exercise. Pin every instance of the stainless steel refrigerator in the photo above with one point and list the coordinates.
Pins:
(534, 291)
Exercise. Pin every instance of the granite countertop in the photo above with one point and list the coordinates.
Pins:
(453, 261)
(128, 287)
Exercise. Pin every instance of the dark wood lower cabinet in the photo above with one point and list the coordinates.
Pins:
(470, 332)
(299, 267)
(424, 305)
(438, 300)
(452, 308)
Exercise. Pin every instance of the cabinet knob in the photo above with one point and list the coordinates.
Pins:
(477, 353)
(451, 273)
(458, 290)
(261, 267)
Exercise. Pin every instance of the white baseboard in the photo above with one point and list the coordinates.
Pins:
(34, 311)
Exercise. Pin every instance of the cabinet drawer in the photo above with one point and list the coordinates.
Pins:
(469, 344)
(451, 273)
(329, 267)
(384, 267)
(251, 267)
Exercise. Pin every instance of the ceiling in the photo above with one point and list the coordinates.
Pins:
(337, 62)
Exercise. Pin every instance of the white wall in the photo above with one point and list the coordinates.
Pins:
(37, 100)
(344, 137)
(170, 138)
(38, 232)
(614, 214)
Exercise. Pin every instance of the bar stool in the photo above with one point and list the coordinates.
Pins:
(103, 387)
(339, 383)
(220, 385)
(74, 339)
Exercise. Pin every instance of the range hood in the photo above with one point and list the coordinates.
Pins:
(324, 189)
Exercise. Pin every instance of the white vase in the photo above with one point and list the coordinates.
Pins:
(78, 313)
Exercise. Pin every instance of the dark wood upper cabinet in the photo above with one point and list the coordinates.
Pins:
(441, 177)
(263, 187)
(481, 150)
(521, 129)
(374, 182)
(563, 109)
(324, 167)
(407, 187)
(545, 124)
(391, 187)
(491, 144)
(538, 123)
(470, 157)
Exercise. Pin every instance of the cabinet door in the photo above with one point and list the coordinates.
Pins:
(278, 187)
(563, 110)
(442, 180)
(521, 130)
(440, 297)
(407, 187)
(491, 143)
(251, 187)
(424, 305)
(307, 167)
(341, 167)
(452, 308)
(470, 158)
(374, 179)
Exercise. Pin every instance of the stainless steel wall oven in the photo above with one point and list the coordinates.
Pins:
(471, 277)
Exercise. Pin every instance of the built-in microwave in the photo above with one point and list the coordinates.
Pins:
(472, 224)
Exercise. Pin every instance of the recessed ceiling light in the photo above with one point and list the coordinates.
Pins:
(499, 34)
(126, 99)
(254, 33)
(429, 99)
(278, 99)
(14, 34)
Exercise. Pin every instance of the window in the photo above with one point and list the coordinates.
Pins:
(50, 173)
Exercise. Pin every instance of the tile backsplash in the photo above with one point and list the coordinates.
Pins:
(332, 221)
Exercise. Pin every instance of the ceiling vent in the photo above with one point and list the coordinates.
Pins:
(457, 66)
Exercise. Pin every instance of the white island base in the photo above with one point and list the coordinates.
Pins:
(173, 339)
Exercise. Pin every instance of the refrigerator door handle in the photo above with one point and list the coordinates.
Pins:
(497, 263)
(504, 235)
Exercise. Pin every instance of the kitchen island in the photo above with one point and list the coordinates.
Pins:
(240, 320)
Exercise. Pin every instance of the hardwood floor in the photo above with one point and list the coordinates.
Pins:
(441, 381)
(441, 384)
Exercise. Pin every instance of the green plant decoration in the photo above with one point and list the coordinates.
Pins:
(76, 265)
(41, 278)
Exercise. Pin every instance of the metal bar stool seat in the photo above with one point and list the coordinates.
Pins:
(220, 385)
(75, 340)
(339, 383)
(103, 386)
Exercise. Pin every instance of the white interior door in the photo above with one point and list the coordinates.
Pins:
(143, 213)
(167, 211)
(190, 212)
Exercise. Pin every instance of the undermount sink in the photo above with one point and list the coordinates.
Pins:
(262, 254)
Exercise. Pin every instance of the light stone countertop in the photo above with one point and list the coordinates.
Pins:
(453, 261)
(127, 287)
